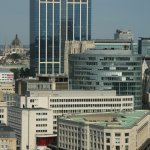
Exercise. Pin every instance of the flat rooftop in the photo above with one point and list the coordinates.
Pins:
(110, 119)
(5, 71)
(112, 40)
(6, 132)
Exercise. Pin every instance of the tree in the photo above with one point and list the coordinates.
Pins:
(22, 72)
(16, 72)
(14, 56)
(27, 72)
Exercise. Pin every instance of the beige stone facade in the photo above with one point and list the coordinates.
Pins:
(8, 143)
(107, 131)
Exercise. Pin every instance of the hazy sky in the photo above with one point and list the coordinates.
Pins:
(107, 16)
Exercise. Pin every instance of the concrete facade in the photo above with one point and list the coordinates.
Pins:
(72, 102)
(29, 124)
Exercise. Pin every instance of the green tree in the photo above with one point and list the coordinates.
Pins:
(14, 56)
(16, 72)
(26, 72)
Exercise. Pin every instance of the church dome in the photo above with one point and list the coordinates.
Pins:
(16, 42)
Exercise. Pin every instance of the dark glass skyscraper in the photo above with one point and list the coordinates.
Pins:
(52, 22)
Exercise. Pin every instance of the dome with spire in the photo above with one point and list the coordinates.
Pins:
(16, 42)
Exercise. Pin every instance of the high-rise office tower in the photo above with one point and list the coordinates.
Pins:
(52, 22)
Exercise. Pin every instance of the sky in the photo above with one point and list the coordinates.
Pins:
(107, 16)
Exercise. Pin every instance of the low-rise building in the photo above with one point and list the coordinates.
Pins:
(7, 138)
(107, 131)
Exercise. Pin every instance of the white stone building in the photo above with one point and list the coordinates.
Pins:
(33, 127)
(75, 102)
(106, 131)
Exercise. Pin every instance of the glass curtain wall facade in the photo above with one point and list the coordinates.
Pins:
(144, 46)
(52, 22)
(107, 70)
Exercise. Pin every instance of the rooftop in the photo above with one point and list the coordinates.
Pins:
(106, 52)
(6, 132)
(5, 71)
(113, 41)
(110, 119)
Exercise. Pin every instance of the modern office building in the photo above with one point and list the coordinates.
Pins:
(118, 70)
(116, 44)
(52, 22)
(106, 131)
(76, 47)
(144, 46)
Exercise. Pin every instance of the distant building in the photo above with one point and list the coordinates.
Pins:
(6, 76)
(75, 47)
(144, 46)
(7, 138)
(123, 34)
(7, 87)
(15, 47)
(97, 69)
(7, 83)
(3, 112)
(116, 44)
(41, 83)
(10, 98)
(107, 131)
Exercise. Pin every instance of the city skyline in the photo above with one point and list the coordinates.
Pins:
(107, 17)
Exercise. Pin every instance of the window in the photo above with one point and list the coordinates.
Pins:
(126, 134)
(126, 147)
(126, 140)
(108, 147)
(107, 140)
(117, 140)
(108, 134)
(117, 134)
(117, 147)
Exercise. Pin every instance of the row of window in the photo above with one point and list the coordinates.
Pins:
(41, 113)
(90, 100)
(41, 130)
(41, 119)
(8, 89)
(41, 125)
(113, 109)
(90, 105)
